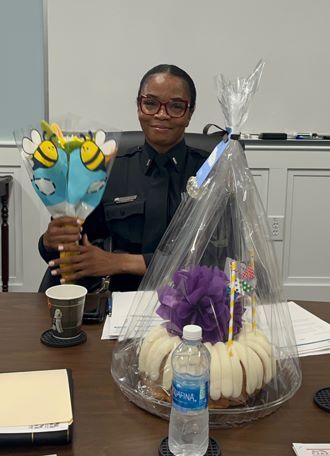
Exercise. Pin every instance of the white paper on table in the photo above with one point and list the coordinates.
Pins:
(322, 348)
(311, 449)
(308, 327)
(121, 305)
(106, 329)
(47, 427)
(311, 332)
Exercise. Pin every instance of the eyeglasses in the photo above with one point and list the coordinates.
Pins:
(173, 108)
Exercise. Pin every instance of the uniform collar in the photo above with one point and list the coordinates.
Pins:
(176, 156)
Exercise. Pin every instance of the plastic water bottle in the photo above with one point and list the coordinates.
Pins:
(189, 420)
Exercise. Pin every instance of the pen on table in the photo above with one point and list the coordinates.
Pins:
(306, 135)
(108, 308)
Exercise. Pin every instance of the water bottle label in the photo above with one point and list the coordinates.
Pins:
(190, 397)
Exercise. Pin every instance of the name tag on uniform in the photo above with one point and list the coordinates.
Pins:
(125, 199)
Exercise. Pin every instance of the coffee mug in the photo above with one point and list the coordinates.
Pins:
(66, 305)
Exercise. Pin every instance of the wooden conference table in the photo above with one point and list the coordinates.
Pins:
(107, 424)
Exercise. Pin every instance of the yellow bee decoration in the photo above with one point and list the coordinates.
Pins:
(43, 161)
(43, 152)
(95, 154)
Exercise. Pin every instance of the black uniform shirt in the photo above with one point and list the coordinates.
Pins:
(143, 192)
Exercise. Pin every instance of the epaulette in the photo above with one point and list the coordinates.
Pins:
(129, 152)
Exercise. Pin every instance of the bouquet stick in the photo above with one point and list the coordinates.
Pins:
(66, 274)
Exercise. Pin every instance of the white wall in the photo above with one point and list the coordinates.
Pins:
(98, 51)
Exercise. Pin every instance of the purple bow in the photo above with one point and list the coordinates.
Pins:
(199, 296)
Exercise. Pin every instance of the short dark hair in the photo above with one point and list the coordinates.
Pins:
(175, 71)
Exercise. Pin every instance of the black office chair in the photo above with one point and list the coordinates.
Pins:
(203, 141)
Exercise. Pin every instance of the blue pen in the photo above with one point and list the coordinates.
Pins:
(108, 306)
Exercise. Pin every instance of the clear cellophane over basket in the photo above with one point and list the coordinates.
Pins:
(215, 267)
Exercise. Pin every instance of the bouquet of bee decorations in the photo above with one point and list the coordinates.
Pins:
(68, 171)
(215, 267)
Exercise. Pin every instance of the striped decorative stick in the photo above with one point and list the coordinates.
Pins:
(253, 297)
(232, 303)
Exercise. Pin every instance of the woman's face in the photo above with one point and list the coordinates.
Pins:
(161, 130)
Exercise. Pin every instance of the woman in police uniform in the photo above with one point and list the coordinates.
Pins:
(145, 188)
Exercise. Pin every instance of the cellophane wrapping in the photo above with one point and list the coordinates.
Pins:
(68, 169)
(215, 267)
(68, 164)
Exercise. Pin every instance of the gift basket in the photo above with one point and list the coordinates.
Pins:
(68, 169)
(215, 267)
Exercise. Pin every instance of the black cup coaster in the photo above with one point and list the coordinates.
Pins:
(213, 449)
(322, 398)
(49, 339)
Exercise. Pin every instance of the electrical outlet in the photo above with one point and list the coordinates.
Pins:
(276, 224)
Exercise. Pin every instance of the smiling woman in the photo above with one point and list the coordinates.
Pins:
(164, 94)
(145, 188)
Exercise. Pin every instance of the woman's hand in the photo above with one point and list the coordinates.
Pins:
(62, 231)
(91, 261)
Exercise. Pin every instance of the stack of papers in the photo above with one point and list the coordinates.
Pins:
(312, 334)
(311, 449)
(121, 303)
